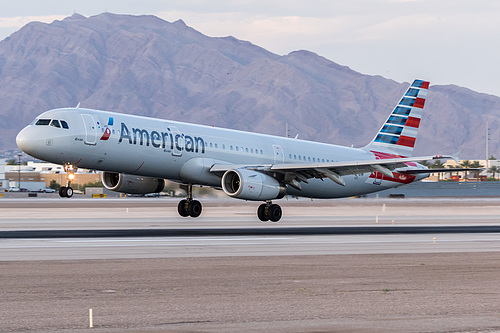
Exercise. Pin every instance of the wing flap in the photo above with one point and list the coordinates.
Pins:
(417, 171)
(384, 166)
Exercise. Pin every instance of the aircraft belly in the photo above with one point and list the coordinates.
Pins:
(197, 171)
(150, 165)
(327, 189)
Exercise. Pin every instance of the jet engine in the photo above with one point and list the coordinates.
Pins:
(251, 185)
(120, 182)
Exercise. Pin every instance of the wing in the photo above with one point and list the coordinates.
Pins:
(294, 173)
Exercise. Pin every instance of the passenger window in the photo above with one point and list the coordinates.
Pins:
(55, 123)
(64, 124)
(300, 158)
(251, 150)
(216, 146)
(42, 122)
(246, 149)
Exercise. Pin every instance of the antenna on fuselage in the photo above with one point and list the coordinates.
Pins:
(78, 106)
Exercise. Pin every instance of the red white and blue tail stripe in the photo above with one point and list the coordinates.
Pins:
(399, 132)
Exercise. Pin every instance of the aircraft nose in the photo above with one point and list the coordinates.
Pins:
(26, 140)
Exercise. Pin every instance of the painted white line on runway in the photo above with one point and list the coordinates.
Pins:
(236, 241)
(176, 239)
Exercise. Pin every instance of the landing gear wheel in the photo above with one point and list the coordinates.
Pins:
(261, 213)
(269, 211)
(188, 206)
(194, 208)
(65, 191)
(274, 213)
(182, 208)
(69, 192)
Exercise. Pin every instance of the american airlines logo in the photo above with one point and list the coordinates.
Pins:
(106, 135)
(164, 140)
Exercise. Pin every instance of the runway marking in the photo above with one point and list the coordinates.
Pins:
(177, 239)
(233, 241)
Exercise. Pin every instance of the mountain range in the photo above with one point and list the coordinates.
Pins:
(146, 66)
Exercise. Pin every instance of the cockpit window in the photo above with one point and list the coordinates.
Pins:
(52, 122)
(42, 122)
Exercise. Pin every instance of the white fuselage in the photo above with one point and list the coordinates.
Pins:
(159, 148)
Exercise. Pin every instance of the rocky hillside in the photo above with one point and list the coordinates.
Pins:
(146, 66)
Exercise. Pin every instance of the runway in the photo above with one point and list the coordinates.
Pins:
(350, 265)
(238, 246)
(234, 232)
(102, 229)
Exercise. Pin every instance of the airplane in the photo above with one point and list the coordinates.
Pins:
(136, 154)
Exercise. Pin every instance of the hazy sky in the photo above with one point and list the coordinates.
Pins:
(444, 41)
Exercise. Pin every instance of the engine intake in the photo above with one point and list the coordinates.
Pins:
(251, 185)
(120, 182)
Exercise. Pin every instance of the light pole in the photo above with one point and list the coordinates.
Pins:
(487, 139)
(19, 171)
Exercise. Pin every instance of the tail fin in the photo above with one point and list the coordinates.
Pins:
(397, 135)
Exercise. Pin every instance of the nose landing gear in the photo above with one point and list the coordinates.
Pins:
(67, 191)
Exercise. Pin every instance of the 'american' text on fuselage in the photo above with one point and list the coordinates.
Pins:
(160, 139)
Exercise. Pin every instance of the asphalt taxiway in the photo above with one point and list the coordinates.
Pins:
(350, 265)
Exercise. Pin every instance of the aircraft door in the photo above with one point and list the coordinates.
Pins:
(279, 156)
(179, 141)
(90, 129)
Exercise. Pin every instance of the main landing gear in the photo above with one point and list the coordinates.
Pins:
(269, 211)
(189, 207)
(67, 191)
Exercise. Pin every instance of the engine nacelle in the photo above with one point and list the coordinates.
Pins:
(120, 182)
(251, 185)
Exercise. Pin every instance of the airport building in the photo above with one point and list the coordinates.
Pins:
(40, 175)
(483, 175)
(3, 181)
